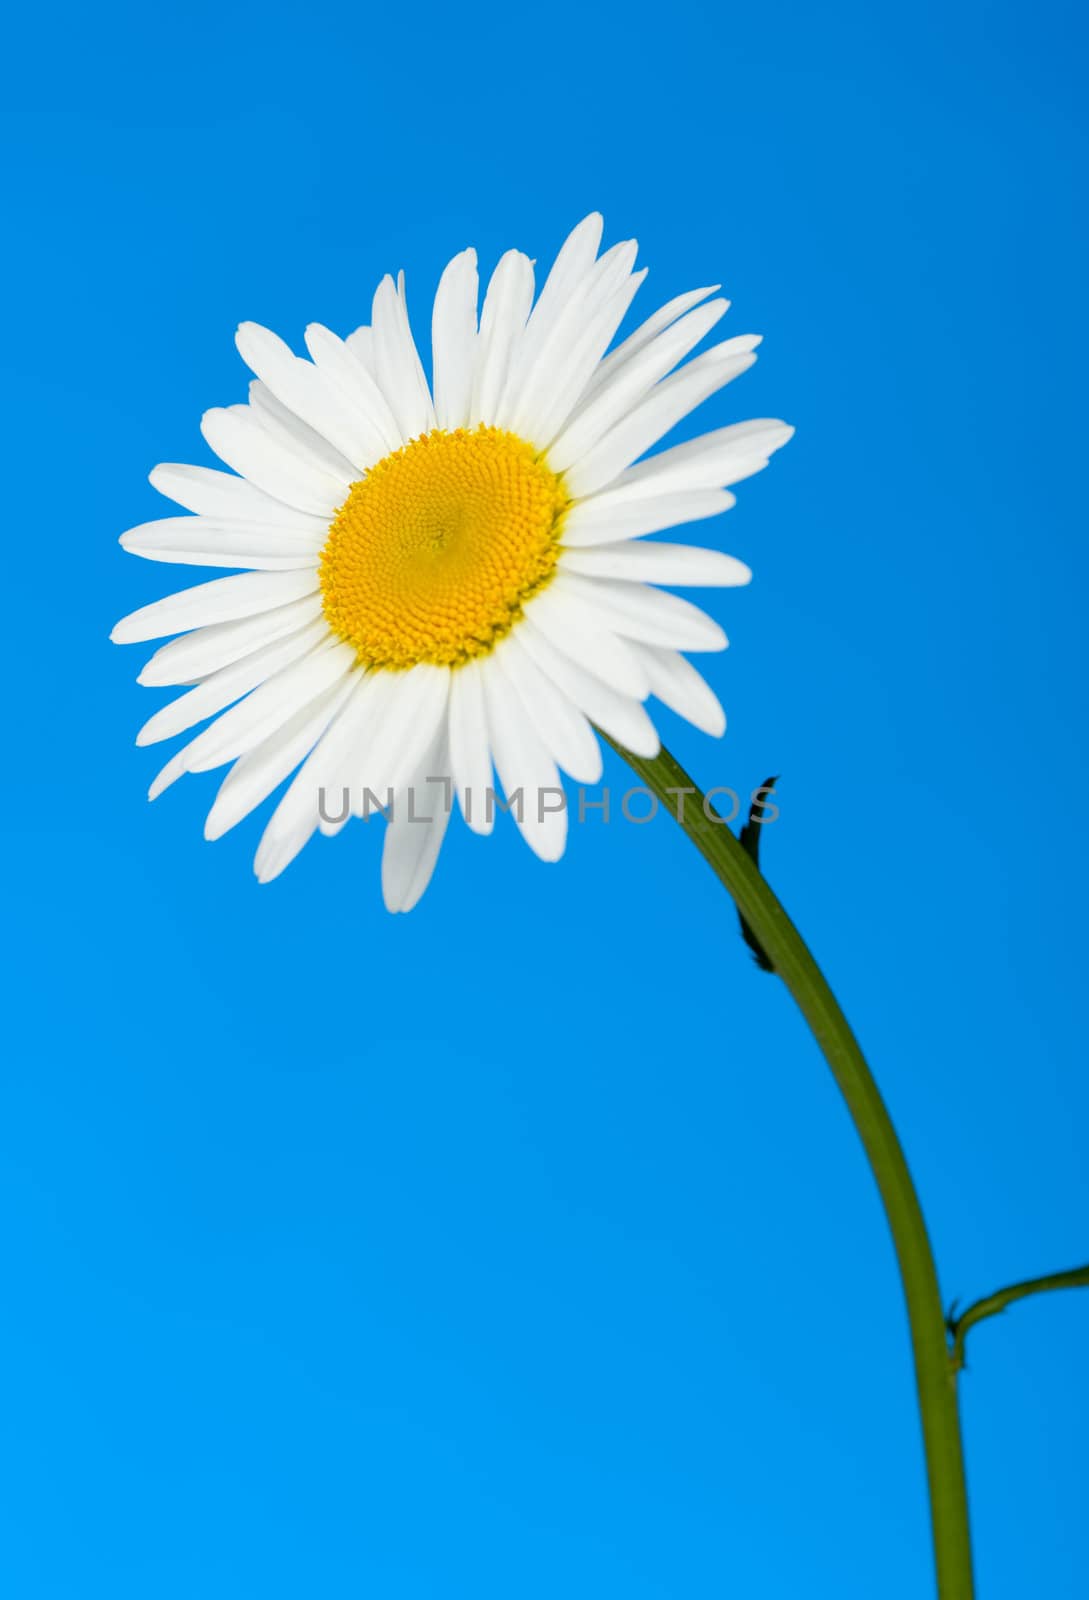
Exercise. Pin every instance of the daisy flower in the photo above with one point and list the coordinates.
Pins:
(436, 579)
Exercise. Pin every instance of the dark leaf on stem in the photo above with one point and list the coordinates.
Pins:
(750, 842)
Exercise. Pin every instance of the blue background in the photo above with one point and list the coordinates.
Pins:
(521, 1247)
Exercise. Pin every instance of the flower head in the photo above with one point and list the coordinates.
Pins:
(436, 579)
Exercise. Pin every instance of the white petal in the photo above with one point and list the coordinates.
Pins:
(272, 704)
(295, 439)
(549, 387)
(361, 344)
(524, 764)
(397, 363)
(296, 817)
(652, 615)
(299, 437)
(575, 366)
(678, 685)
(174, 769)
(684, 564)
(221, 600)
(352, 377)
(304, 390)
(453, 340)
(397, 721)
(560, 725)
(663, 408)
(413, 706)
(506, 307)
(725, 456)
(561, 613)
(574, 259)
(212, 542)
(194, 655)
(376, 702)
(566, 281)
(238, 438)
(646, 331)
(639, 375)
(227, 685)
(411, 847)
(621, 717)
(254, 775)
(470, 756)
(603, 519)
(219, 494)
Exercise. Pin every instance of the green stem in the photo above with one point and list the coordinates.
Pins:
(992, 1304)
(935, 1375)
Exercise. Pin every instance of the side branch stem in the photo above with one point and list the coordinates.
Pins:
(935, 1374)
(992, 1304)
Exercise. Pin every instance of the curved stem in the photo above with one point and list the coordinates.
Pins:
(935, 1375)
(992, 1304)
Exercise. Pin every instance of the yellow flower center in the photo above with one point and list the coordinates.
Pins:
(435, 552)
